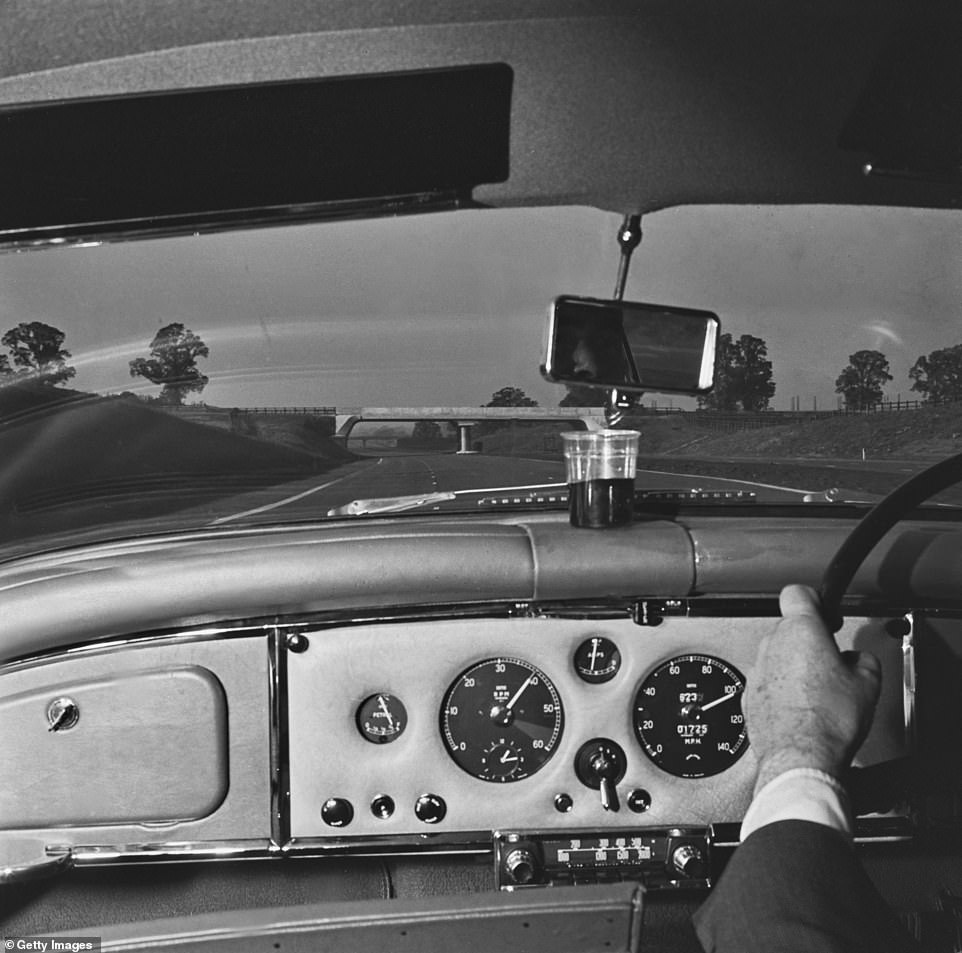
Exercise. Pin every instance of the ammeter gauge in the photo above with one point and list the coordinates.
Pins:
(597, 660)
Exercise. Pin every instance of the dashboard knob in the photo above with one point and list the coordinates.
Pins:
(689, 861)
(337, 812)
(521, 866)
(430, 808)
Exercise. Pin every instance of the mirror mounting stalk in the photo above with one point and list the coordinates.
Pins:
(629, 238)
(618, 403)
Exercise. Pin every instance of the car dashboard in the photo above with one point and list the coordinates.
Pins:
(499, 702)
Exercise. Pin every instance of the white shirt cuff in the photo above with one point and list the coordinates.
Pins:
(801, 794)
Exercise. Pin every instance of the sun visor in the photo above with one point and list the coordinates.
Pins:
(230, 157)
(908, 120)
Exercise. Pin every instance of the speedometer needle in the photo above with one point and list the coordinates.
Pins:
(718, 701)
(517, 694)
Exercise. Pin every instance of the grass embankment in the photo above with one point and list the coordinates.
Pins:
(933, 432)
(61, 449)
(810, 454)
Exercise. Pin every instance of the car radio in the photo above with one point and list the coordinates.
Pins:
(660, 858)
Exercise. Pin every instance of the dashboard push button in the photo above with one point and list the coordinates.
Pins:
(382, 806)
(337, 812)
(639, 800)
(430, 808)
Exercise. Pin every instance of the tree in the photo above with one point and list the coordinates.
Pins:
(743, 375)
(506, 397)
(757, 385)
(939, 376)
(861, 382)
(510, 397)
(37, 351)
(173, 363)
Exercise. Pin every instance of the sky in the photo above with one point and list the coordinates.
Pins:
(447, 308)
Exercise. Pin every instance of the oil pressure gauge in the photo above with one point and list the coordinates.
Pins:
(381, 718)
(597, 660)
(688, 716)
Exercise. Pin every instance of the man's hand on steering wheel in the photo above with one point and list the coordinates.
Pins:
(808, 705)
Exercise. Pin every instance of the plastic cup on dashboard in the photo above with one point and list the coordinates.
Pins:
(600, 465)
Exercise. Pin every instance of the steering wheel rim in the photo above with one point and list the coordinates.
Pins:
(874, 525)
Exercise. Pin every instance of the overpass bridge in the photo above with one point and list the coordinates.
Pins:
(346, 418)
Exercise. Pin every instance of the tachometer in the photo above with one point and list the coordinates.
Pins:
(502, 720)
(688, 716)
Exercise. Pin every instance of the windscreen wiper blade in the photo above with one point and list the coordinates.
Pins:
(389, 504)
(554, 493)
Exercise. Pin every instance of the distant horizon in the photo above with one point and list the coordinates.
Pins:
(448, 308)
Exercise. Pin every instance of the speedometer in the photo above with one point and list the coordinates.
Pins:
(688, 716)
(502, 720)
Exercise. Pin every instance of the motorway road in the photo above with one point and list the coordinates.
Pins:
(393, 475)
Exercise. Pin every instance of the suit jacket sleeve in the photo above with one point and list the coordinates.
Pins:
(798, 886)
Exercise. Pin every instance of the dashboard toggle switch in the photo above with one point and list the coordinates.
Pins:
(600, 764)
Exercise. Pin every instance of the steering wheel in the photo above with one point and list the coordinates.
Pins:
(874, 525)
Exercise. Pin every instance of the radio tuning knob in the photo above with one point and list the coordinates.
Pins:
(521, 866)
(689, 861)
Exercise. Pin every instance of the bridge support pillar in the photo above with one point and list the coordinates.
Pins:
(344, 424)
(464, 436)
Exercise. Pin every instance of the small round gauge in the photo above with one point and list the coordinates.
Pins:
(597, 660)
(502, 720)
(382, 718)
(502, 760)
(688, 716)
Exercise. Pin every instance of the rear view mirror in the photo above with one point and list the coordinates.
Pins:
(631, 346)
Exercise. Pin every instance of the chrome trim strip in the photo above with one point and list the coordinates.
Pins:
(206, 634)
(277, 705)
(102, 855)
(909, 683)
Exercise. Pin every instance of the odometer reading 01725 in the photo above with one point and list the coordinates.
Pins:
(502, 720)
(688, 716)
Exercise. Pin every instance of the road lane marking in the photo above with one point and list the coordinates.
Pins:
(291, 499)
(513, 489)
